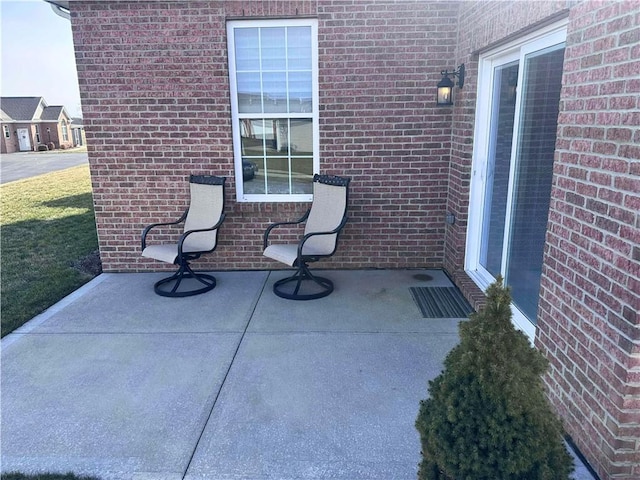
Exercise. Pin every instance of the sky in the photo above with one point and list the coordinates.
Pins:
(36, 54)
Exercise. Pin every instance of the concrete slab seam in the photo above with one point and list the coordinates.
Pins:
(252, 310)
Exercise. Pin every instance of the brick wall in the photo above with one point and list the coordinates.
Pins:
(8, 145)
(154, 87)
(588, 323)
(54, 135)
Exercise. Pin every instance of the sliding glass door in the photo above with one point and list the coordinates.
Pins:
(519, 95)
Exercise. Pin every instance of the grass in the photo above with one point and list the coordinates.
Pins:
(82, 148)
(47, 233)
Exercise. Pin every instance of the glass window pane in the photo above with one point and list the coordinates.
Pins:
(274, 88)
(274, 52)
(300, 88)
(252, 138)
(498, 167)
(299, 48)
(301, 136)
(247, 49)
(302, 174)
(249, 93)
(534, 172)
(277, 174)
(281, 132)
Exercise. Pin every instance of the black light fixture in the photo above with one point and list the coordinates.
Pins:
(445, 86)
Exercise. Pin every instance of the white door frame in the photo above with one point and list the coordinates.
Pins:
(517, 50)
(24, 141)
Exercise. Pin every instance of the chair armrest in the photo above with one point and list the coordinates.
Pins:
(313, 234)
(147, 229)
(273, 225)
(184, 236)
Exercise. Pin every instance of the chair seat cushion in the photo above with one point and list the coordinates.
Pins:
(165, 253)
(288, 253)
(282, 253)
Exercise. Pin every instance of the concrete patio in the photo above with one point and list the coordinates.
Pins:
(117, 382)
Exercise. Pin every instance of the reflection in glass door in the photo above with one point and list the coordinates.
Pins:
(498, 167)
(533, 172)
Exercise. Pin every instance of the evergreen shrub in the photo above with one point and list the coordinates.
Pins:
(487, 416)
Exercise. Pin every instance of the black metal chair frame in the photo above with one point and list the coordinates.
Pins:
(183, 258)
(302, 273)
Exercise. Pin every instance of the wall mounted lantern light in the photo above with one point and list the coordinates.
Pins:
(445, 86)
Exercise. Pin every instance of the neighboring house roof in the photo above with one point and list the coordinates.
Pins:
(60, 3)
(60, 7)
(30, 109)
(52, 113)
(4, 117)
(21, 108)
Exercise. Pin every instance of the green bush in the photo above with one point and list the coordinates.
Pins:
(487, 416)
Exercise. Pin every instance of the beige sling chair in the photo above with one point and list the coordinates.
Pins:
(201, 220)
(324, 222)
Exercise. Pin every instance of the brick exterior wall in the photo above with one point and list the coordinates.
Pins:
(54, 135)
(588, 324)
(588, 321)
(11, 144)
(154, 85)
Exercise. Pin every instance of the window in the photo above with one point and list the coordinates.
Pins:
(6, 131)
(37, 133)
(65, 132)
(274, 103)
(516, 122)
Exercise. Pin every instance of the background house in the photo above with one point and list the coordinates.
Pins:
(77, 132)
(536, 164)
(27, 122)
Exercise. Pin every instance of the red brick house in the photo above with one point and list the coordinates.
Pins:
(535, 165)
(28, 122)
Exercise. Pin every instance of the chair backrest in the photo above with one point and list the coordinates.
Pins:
(329, 208)
(205, 207)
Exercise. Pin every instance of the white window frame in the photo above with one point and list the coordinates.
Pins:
(7, 131)
(516, 50)
(65, 131)
(232, 25)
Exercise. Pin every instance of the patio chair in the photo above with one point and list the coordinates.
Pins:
(201, 220)
(323, 223)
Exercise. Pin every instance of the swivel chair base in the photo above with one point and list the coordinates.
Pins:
(293, 288)
(169, 287)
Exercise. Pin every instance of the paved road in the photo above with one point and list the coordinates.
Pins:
(15, 166)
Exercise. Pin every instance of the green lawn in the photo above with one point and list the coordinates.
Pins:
(48, 242)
